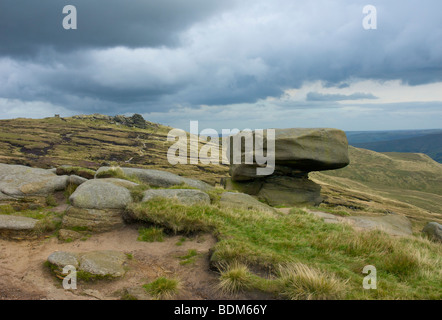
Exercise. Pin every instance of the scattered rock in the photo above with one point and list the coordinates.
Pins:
(433, 230)
(19, 181)
(17, 228)
(185, 196)
(103, 263)
(94, 265)
(158, 178)
(102, 194)
(94, 220)
(244, 201)
(60, 259)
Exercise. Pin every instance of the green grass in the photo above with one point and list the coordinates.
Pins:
(163, 288)
(79, 171)
(118, 173)
(408, 268)
(188, 258)
(151, 234)
(235, 277)
(51, 201)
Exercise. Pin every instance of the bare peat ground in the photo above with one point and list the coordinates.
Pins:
(23, 275)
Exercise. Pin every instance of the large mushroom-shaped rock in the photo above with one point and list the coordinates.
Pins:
(20, 181)
(157, 178)
(185, 196)
(297, 152)
(433, 230)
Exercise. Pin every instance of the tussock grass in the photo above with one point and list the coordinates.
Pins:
(301, 282)
(151, 234)
(163, 288)
(118, 173)
(235, 277)
(335, 254)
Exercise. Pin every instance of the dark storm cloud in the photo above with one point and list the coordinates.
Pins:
(149, 56)
(28, 25)
(316, 96)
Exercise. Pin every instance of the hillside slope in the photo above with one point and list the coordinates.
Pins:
(430, 144)
(374, 183)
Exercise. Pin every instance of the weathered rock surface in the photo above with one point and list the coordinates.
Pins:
(280, 190)
(20, 181)
(16, 227)
(392, 224)
(100, 264)
(433, 230)
(185, 196)
(76, 180)
(94, 220)
(66, 235)
(103, 194)
(243, 201)
(297, 152)
(103, 263)
(158, 178)
(60, 259)
(301, 149)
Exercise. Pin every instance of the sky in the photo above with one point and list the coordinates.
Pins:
(227, 64)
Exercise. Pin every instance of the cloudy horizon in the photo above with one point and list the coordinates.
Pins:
(227, 64)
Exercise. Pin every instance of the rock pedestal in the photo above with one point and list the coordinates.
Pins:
(297, 152)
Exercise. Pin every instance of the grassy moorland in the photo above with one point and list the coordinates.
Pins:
(294, 255)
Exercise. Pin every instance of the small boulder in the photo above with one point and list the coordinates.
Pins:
(94, 220)
(243, 201)
(185, 196)
(60, 259)
(433, 230)
(94, 265)
(103, 263)
(102, 194)
(20, 181)
(16, 227)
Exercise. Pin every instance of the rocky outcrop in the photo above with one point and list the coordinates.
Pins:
(297, 152)
(433, 230)
(234, 200)
(93, 265)
(158, 178)
(98, 205)
(185, 196)
(94, 220)
(21, 181)
(17, 228)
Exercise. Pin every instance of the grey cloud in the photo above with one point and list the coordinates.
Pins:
(145, 56)
(316, 96)
(27, 25)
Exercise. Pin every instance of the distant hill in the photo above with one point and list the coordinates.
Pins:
(355, 137)
(429, 144)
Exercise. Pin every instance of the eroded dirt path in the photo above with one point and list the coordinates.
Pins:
(24, 276)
